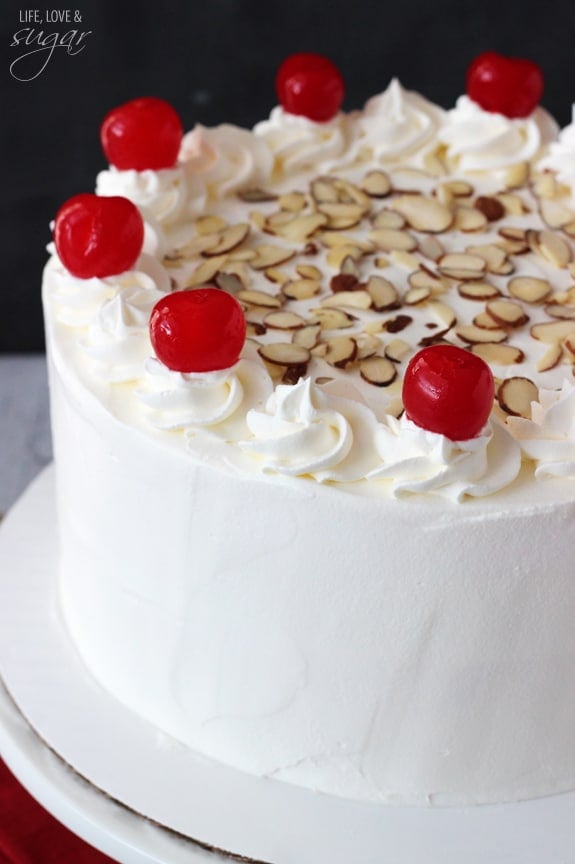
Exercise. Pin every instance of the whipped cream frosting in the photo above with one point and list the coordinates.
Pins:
(549, 437)
(561, 156)
(399, 125)
(299, 143)
(226, 158)
(416, 460)
(478, 140)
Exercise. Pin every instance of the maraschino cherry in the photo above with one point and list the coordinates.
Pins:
(201, 330)
(97, 235)
(505, 85)
(144, 133)
(310, 85)
(448, 390)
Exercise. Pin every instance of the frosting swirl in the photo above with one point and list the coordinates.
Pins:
(549, 437)
(398, 125)
(226, 158)
(419, 461)
(298, 142)
(479, 140)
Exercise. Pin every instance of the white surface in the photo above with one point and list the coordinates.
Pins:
(264, 819)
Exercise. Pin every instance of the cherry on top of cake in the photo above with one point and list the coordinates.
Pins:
(511, 86)
(203, 330)
(310, 85)
(142, 134)
(448, 390)
(98, 236)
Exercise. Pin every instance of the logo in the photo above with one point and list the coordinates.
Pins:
(45, 32)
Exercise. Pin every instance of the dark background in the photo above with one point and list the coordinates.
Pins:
(215, 61)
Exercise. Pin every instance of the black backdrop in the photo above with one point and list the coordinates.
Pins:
(215, 60)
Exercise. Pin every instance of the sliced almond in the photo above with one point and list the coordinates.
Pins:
(259, 298)
(512, 204)
(554, 213)
(551, 358)
(560, 310)
(424, 214)
(331, 319)
(431, 247)
(491, 207)
(462, 266)
(228, 239)
(285, 354)
(554, 249)
(283, 321)
(341, 215)
(279, 277)
(494, 257)
(444, 313)
(397, 350)
(404, 259)
(460, 188)
(517, 175)
(500, 355)
(515, 396)
(383, 293)
(206, 271)
(413, 296)
(338, 254)
(388, 219)
(349, 267)
(301, 289)
(472, 334)
(301, 227)
(308, 271)
(256, 195)
(367, 345)
(506, 313)
(388, 239)
(324, 190)
(552, 331)
(292, 201)
(254, 329)
(229, 282)
(379, 371)
(469, 219)
(425, 278)
(478, 291)
(307, 336)
(268, 255)
(359, 299)
(341, 351)
(343, 282)
(529, 288)
(376, 184)
(210, 224)
(545, 185)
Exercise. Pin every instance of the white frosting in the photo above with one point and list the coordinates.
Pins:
(561, 157)
(226, 158)
(300, 143)
(416, 460)
(479, 140)
(399, 125)
(549, 437)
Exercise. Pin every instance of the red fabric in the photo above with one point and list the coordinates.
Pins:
(29, 835)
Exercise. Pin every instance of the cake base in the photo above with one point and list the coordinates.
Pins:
(54, 717)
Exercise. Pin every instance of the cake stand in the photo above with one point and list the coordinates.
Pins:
(139, 796)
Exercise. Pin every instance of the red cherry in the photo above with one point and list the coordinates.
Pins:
(505, 85)
(201, 330)
(143, 133)
(448, 390)
(97, 235)
(310, 85)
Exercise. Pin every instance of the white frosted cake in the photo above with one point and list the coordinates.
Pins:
(262, 553)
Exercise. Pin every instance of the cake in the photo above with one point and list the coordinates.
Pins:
(334, 545)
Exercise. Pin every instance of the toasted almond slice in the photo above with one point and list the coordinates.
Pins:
(241, 255)
(259, 298)
(228, 239)
(472, 334)
(350, 299)
(338, 254)
(560, 310)
(500, 355)
(458, 265)
(332, 239)
(444, 313)
(512, 204)
(529, 288)
(258, 219)
(376, 184)
(229, 282)
(292, 201)
(424, 214)
(367, 345)
(554, 249)
(485, 322)
(256, 195)
(425, 278)
(278, 219)
(308, 271)
(388, 219)
(301, 289)
(517, 175)
(323, 190)
(544, 185)
(378, 370)
(554, 213)
(239, 269)
(341, 215)
(307, 336)
(319, 350)
(341, 350)
(349, 193)
(300, 228)
(443, 194)
(343, 282)
(404, 259)
(494, 256)
(285, 354)
(551, 358)
(552, 331)
(515, 396)
(348, 266)
(513, 247)
(383, 293)
(478, 291)
(268, 255)
(413, 296)
(388, 239)
(506, 313)
(279, 277)
(469, 219)
(510, 232)
(460, 188)
(206, 271)
(430, 246)
(331, 319)
(397, 350)
(283, 321)
(491, 207)
(210, 224)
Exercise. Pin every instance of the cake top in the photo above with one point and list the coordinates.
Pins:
(351, 241)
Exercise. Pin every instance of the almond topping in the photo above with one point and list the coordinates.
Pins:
(378, 370)
(376, 184)
(341, 350)
(462, 266)
(270, 256)
(283, 321)
(228, 239)
(500, 355)
(307, 336)
(397, 350)
(416, 295)
(424, 214)
(359, 299)
(285, 354)
(301, 289)
(478, 291)
(555, 214)
(388, 219)
(293, 201)
(388, 239)
(529, 289)
(343, 282)
(515, 396)
(259, 298)
(554, 249)
(552, 331)
(472, 334)
(506, 313)
(382, 292)
(491, 208)
(211, 224)
(430, 246)
(551, 358)
(331, 319)
(469, 219)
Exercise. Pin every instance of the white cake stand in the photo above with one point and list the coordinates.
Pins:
(141, 797)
